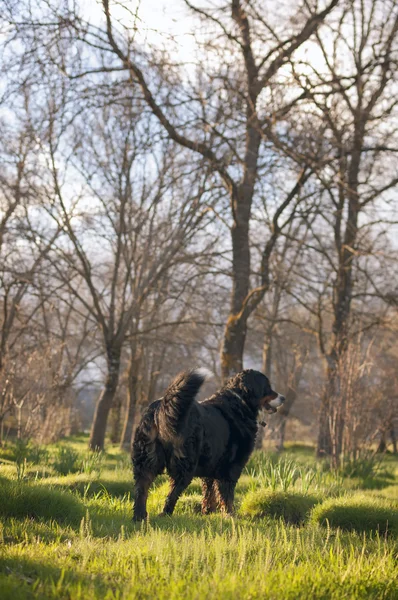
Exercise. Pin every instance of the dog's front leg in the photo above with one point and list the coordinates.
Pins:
(141, 490)
(178, 485)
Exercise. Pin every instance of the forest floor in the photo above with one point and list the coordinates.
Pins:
(300, 530)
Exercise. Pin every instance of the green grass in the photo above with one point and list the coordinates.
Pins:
(71, 536)
(359, 513)
(292, 507)
(115, 483)
(18, 499)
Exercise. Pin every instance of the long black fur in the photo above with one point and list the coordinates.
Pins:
(212, 439)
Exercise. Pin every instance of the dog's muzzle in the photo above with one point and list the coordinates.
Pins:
(272, 405)
(278, 401)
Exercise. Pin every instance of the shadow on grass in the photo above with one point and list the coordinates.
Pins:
(22, 578)
(376, 483)
(369, 483)
(86, 486)
(21, 500)
(179, 524)
(304, 449)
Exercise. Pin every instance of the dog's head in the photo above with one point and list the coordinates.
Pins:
(256, 390)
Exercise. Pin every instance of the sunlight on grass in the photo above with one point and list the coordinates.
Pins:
(72, 536)
(359, 513)
(292, 507)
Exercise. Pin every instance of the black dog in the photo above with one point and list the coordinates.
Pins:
(212, 439)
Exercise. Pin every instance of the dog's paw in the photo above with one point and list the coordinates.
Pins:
(164, 514)
(137, 518)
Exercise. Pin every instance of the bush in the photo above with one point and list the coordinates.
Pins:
(93, 463)
(38, 455)
(364, 467)
(22, 500)
(357, 513)
(292, 507)
(21, 452)
(66, 461)
(283, 474)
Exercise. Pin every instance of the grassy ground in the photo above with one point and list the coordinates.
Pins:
(300, 531)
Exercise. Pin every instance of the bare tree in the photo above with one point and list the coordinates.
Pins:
(123, 235)
(225, 118)
(24, 244)
(356, 101)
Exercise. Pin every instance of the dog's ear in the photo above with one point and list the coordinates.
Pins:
(257, 383)
(253, 384)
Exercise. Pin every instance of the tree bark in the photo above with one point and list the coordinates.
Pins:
(266, 366)
(233, 347)
(104, 403)
(241, 202)
(115, 420)
(283, 413)
(393, 439)
(382, 447)
(331, 443)
(280, 442)
(324, 442)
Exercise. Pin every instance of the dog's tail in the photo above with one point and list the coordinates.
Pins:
(179, 397)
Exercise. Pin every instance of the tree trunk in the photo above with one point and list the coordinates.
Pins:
(19, 422)
(266, 366)
(328, 442)
(280, 442)
(331, 421)
(267, 354)
(382, 447)
(132, 398)
(236, 327)
(233, 347)
(324, 443)
(284, 411)
(332, 413)
(104, 403)
(393, 439)
(115, 419)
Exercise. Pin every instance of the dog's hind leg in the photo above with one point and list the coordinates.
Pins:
(148, 462)
(225, 491)
(209, 501)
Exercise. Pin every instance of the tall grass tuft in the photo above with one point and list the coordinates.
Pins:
(292, 507)
(66, 460)
(358, 513)
(18, 499)
(93, 463)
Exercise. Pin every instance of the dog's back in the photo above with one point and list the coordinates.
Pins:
(176, 404)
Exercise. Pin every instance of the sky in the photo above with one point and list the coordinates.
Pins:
(158, 19)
